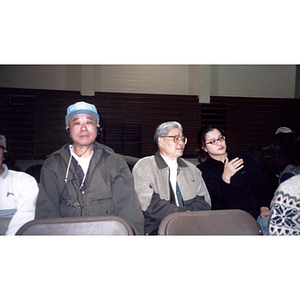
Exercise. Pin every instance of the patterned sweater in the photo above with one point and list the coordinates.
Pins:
(285, 208)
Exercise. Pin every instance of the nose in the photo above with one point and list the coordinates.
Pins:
(181, 142)
(83, 126)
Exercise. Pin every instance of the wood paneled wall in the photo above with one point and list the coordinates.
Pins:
(33, 120)
(252, 122)
(41, 131)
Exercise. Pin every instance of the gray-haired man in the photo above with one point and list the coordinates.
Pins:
(166, 183)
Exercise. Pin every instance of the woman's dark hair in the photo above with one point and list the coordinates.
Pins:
(201, 139)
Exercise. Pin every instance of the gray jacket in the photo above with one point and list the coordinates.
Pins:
(109, 189)
(151, 182)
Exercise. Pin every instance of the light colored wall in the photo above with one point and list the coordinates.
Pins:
(52, 77)
(276, 81)
(158, 79)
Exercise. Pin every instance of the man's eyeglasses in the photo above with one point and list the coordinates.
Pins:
(177, 138)
(215, 141)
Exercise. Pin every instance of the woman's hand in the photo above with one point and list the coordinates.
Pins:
(231, 167)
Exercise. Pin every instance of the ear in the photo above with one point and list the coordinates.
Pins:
(67, 129)
(5, 153)
(159, 140)
(204, 149)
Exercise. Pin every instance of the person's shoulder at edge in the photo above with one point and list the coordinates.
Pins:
(290, 183)
(108, 149)
(182, 161)
(19, 174)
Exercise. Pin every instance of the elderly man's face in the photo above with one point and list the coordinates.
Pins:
(83, 129)
(167, 145)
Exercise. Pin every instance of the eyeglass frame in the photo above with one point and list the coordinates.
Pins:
(215, 141)
(180, 138)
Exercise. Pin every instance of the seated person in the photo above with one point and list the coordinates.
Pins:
(18, 193)
(285, 208)
(293, 168)
(234, 180)
(166, 183)
(275, 157)
(85, 178)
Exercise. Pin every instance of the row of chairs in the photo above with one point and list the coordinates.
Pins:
(214, 222)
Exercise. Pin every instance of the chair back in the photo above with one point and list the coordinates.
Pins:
(101, 225)
(210, 222)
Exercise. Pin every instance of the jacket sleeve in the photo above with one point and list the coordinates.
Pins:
(125, 200)
(159, 208)
(47, 204)
(198, 203)
(25, 205)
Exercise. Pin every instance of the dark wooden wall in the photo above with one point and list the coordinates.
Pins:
(33, 120)
(252, 122)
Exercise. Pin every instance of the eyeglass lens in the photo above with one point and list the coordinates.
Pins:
(214, 142)
(177, 139)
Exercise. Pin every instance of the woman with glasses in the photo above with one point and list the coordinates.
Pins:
(234, 180)
(166, 183)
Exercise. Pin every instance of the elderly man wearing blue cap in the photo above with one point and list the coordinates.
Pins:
(85, 178)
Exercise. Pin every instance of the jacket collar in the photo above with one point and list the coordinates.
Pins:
(65, 152)
(162, 164)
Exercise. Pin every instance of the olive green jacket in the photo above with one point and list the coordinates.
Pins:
(109, 189)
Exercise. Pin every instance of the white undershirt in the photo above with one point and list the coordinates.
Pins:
(173, 174)
(82, 161)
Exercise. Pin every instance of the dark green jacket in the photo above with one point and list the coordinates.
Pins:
(109, 189)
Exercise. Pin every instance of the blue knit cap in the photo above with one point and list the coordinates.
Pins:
(81, 108)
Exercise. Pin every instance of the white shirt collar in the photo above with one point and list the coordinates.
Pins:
(172, 163)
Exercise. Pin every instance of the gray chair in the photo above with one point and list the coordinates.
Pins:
(102, 225)
(210, 222)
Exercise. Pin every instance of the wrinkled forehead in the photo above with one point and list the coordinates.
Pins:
(82, 117)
